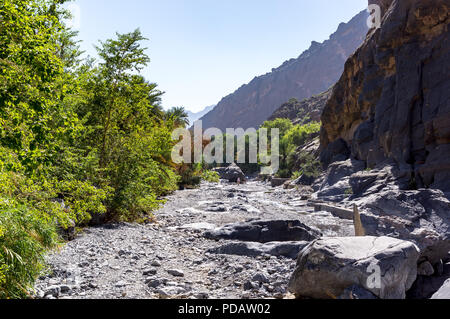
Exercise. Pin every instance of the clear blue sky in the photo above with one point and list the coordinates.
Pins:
(203, 50)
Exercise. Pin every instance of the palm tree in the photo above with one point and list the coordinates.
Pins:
(178, 115)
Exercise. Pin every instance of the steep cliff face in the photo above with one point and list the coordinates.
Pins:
(303, 111)
(392, 103)
(312, 73)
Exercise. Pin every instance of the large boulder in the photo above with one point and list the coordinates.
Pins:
(422, 217)
(232, 173)
(387, 267)
(265, 231)
(335, 185)
(385, 177)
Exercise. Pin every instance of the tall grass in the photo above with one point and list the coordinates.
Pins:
(25, 235)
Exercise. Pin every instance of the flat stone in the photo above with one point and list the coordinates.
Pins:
(175, 272)
(149, 272)
(252, 249)
(265, 231)
(199, 226)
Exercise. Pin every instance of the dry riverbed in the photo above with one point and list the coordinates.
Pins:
(173, 259)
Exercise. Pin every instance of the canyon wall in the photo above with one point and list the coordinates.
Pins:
(392, 103)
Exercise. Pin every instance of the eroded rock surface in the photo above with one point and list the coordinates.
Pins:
(392, 102)
(329, 266)
(266, 231)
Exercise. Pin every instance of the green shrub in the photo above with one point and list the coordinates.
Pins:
(299, 134)
(25, 235)
(296, 175)
(283, 173)
(310, 166)
(210, 176)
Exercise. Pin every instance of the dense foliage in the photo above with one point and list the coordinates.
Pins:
(78, 138)
(293, 137)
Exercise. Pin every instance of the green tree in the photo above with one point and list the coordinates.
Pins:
(126, 129)
(178, 116)
(284, 125)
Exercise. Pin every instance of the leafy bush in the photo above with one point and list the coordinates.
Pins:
(77, 138)
(292, 137)
(25, 235)
(297, 174)
(299, 134)
(210, 176)
(309, 166)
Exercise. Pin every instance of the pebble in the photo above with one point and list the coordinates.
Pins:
(150, 272)
(126, 260)
(175, 272)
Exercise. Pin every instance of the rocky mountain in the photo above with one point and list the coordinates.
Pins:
(303, 111)
(385, 138)
(194, 116)
(392, 103)
(313, 72)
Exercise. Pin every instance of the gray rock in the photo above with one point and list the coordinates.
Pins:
(199, 226)
(374, 106)
(232, 173)
(156, 282)
(425, 269)
(238, 269)
(249, 285)
(385, 266)
(304, 180)
(168, 292)
(175, 272)
(149, 272)
(265, 231)
(357, 292)
(67, 233)
(419, 216)
(53, 291)
(336, 184)
(65, 289)
(261, 278)
(201, 295)
(252, 249)
(443, 292)
(335, 151)
(121, 284)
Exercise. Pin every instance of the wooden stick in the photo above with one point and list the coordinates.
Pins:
(359, 228)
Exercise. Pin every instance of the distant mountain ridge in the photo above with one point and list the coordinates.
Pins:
(313, 72)
(194, 116)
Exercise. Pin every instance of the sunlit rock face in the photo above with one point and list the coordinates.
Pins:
(392, 103)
